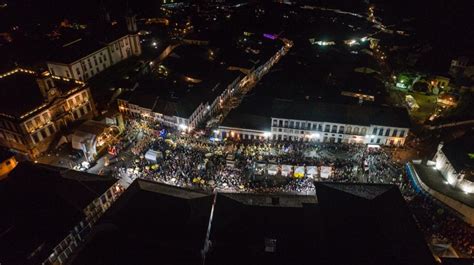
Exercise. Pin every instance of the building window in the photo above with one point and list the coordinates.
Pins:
(292, 123)
(327, 128)
(44, 134)
(38, 121)
(35, 138)
(387, 132)
(286, 124)
(381, 131)
(314, 127)
(356, 130)
(280, 123)
(341, 129)
(320, 127)
(334, 129)
(374, 132)
(29, 125)
(349, 130)
(395, 131)
(378, 140)
(363, 131)
(297, 125)
(402, 133)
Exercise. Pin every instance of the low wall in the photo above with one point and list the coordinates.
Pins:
(466, 211)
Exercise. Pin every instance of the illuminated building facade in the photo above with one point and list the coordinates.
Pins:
(287, 120)
(455, 161)
(36, 106)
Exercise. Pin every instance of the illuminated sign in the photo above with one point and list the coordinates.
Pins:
(270, 36)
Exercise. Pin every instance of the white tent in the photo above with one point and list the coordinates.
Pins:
(272, 169)
(326, 172)
(299, 172)
(311, 171)
(152, 155)
(286, 170)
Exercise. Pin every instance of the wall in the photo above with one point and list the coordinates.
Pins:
(466, 211)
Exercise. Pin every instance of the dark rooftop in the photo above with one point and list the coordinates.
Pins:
(374, 224)
(13, 91)
(351, 224)
(177, 97)
(40, 205)
(75, 50)
(19, 93)
(150, 223)
(247, 114)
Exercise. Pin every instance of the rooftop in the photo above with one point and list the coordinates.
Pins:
(177, 97)
(168, 222)
(71, 50)
(171, 223)
(75, 50)
(13, 91)
(374, 223)
(40, 205)
(19, 92)
(247, 115)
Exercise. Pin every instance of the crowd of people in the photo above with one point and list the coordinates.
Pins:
(196, 162)
(441, 224)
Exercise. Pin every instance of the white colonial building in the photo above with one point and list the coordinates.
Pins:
(84, 58)
(34, 107)
(455, 161)
(285, 120)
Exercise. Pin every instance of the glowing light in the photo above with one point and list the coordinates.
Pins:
(182, 127)
(267, 134)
